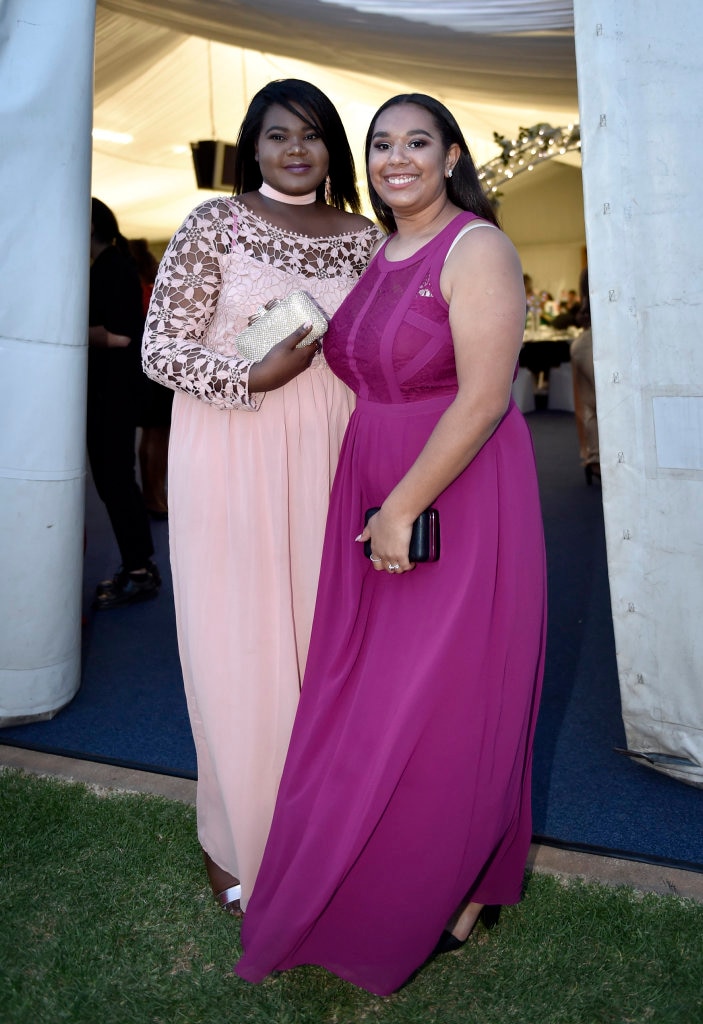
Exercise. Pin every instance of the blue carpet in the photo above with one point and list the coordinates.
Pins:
(131, 711)
(585, 794)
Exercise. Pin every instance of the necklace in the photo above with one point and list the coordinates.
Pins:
(281, 197)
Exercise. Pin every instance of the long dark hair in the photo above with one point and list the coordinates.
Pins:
(463, 188)
(308, 102)
(105, 227)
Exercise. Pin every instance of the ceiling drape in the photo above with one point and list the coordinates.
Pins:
(171, 72)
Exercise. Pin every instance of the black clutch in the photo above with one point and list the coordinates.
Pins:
(424, 540)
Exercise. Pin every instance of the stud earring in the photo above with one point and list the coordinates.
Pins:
(450, 172)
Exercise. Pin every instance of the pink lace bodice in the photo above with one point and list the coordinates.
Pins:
(221, 265)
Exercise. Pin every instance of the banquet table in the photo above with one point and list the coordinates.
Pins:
(543, 348)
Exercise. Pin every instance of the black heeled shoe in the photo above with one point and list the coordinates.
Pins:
(448, 942)
(490, 915)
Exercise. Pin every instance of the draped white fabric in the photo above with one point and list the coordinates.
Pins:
(508, 53)
(502, 17)
(170, 72)
(643, 223)
(45, 100)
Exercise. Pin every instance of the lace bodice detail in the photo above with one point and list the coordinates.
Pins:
(390, 341)
(221, 265)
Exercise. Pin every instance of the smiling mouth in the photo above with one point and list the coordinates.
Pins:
(402, 179)
(297, 168)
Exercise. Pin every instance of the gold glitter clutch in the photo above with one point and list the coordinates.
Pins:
(279, 318)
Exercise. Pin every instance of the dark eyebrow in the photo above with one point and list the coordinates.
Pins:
(413, 131)
(279, 128)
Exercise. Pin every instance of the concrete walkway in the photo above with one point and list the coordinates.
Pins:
(546, 859)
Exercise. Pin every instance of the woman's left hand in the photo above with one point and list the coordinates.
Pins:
(390, 543)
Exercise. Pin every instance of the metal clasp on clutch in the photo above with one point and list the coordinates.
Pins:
(258, 313)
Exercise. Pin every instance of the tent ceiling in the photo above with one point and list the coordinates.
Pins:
(169, 72)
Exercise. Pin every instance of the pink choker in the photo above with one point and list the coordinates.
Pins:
(281, 197)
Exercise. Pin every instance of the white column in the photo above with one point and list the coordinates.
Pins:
(46, 69)
(640, 74)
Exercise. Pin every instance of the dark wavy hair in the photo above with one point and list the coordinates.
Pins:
(105, 227)
(463, 188)
(306, 101)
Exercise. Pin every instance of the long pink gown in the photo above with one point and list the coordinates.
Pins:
(249, 479)
(407, 783)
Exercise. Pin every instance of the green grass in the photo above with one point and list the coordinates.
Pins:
(106, 919)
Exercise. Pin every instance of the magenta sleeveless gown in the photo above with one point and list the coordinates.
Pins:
(407, 782)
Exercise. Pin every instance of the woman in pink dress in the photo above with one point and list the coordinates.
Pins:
(253, 450)
(409, 765)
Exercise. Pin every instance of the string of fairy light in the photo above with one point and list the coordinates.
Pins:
(532, 147)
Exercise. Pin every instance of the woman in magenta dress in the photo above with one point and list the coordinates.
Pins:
(404, 807)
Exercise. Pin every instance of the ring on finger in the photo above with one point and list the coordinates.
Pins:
(375, 559)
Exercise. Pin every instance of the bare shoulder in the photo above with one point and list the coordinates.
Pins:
(482, 249)
(481, 239)
(484, 259)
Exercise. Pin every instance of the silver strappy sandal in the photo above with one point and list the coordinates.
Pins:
(229, 899)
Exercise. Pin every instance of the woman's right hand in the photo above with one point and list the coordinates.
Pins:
(283, 362)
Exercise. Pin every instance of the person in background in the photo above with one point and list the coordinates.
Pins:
(585, 386)
(115, 328)
(410, 760)
(254, 446)
(568, 310)
(147, 266)
(533, 303)
(548, 307)
(155, 418)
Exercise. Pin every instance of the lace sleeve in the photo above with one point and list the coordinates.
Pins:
(185, 295)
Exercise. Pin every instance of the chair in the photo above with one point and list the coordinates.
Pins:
(524, 390)
(561, 388)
